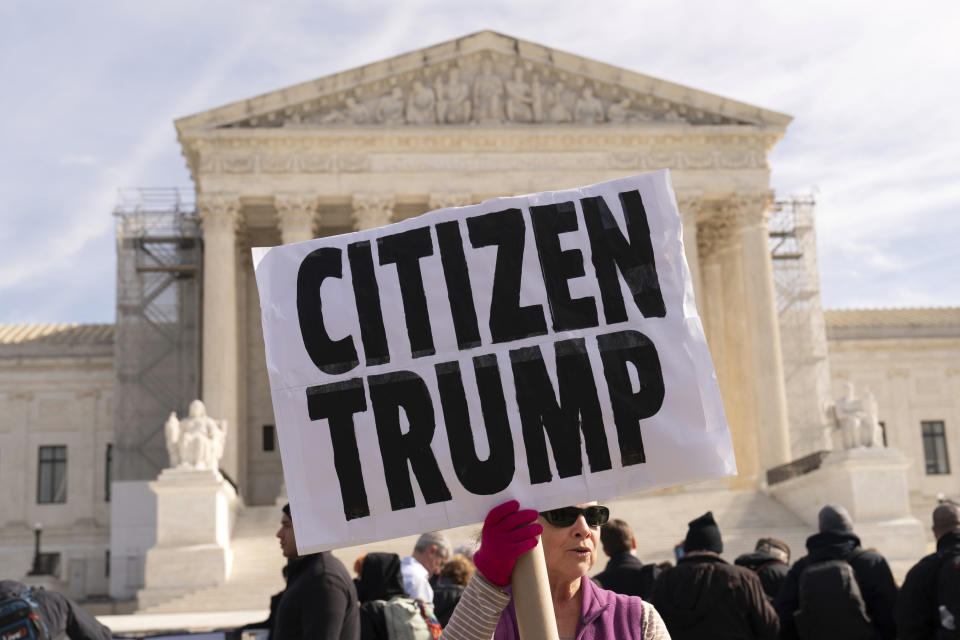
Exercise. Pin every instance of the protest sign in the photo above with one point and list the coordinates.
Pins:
(543, 347)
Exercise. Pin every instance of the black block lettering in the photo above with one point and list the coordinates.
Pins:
(367, 294)
(336, 403)
(459, 291)
(578, 410)
(482, 477)
(508, 320)
(634, 259)
(405, 250)
(389, 394)
(629, 406)
(559, 266)
(330, 356)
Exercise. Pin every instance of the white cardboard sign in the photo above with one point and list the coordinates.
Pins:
(544, 347)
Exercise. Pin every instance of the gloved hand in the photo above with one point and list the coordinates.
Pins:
(506, 536)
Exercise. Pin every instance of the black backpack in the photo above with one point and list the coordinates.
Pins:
(20, 617)
(948, 595)
(831, 604)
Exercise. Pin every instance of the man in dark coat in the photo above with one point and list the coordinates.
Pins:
(770, 561)
(624, 572)
(62, 617)
(836, 541)
(705, 597)
(918, 606)
(320, 600)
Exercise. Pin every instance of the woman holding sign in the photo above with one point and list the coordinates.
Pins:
(582, 609)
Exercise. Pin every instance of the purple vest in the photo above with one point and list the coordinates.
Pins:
(604, 615)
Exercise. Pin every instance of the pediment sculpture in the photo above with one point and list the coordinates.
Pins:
(197, 441)
(484, 89)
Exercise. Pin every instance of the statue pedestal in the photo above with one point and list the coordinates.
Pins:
(871, 483)
(196, 510)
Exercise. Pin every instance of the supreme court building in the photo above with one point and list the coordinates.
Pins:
(453, 124)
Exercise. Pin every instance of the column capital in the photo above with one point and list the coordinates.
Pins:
(296, 216)
(689, 202)
(749, 208)
(372, 210)
(219, 213)
(445, 200)
(715, 235)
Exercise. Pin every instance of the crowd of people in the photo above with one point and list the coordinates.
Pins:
(837, 590)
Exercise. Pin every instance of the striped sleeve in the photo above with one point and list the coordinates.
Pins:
(478, 611)
(653, 626)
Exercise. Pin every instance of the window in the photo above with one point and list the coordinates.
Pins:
(883, 431)
(935, 447)
(52, 475)
(107, 474)
(269, 437)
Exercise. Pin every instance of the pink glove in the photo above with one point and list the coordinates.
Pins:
(506, 536)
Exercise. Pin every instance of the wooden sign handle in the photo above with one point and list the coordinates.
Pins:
(532, 598)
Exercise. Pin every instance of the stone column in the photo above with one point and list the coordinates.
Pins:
(221, 220)
(445, 200)
(372, 210)
(296, 217)
(689, 204)
(770, 397)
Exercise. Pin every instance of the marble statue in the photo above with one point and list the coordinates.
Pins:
(421, 105)
(453, 99)
(856, 419)
(519, 98)
(390, 107)
(589, 109)
(558, 110)
(487, 95)
(197, 441)
(621, 112)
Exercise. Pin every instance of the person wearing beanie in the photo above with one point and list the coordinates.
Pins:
(706, 597)
(836, 541)
(918, 613)
(769, 560)
(320, 600)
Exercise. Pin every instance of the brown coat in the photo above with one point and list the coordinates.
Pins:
(705, 597)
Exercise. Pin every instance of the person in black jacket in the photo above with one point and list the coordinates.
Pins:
(706, 597)
(380, 580)
(918, 607)
(770, 561)
(60, 614)
(454, 576)
(624, 572)
(836, 541)
(320, 600)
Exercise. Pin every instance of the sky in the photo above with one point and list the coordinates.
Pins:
(89, 92)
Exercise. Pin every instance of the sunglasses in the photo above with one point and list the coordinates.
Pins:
(565, 516)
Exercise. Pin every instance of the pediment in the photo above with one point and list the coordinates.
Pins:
(485, 79)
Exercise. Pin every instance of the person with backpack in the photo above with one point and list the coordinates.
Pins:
(770, 560)
(386, 611)
(928, 607)
(706, 597)
(838, 590)
(37, 614)
(320, 600)
(624, 572)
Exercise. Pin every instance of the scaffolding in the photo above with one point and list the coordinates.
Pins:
(157, 340)
(793, 247)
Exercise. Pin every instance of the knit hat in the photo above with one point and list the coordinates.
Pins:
(946, 518)
(703, 535)
(775, 547)
(835, 518)
(286, 509)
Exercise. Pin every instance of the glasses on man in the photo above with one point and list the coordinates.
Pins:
(595, 516)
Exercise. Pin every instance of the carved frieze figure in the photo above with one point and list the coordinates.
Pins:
(453, 99)
(353, 113)
(196, 442)
(558, 111)
(620, 112)
(588, 109)
(390, 107)
(487, 95)
(536, 96)
(421, 105)
(519, 98)
(856, 418)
